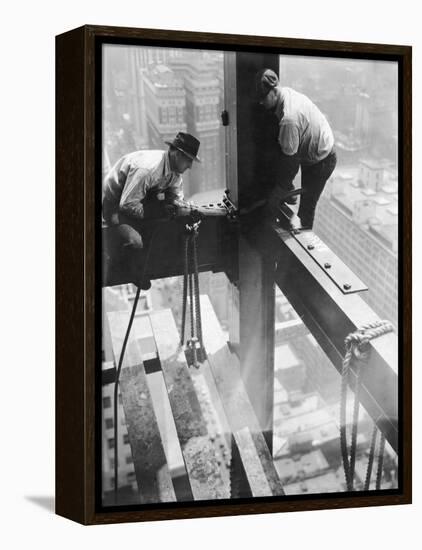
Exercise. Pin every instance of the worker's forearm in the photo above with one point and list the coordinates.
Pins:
(288, 166)
(133, 210)
(109, 210)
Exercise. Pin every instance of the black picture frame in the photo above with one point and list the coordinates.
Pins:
(78, 91)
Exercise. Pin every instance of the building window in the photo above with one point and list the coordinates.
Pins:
(106, 402)
(129, 459)
(183, 86)
(109, 423)
(126, 439)
(110, 443)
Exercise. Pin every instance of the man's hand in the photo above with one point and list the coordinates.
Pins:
(114, 220)
(155, 209)
(252, 207)
(184, 208)
(170, 209)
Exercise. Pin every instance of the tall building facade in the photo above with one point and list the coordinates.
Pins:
(165, 105)
(124, 121)
(150, 94)
(357, 217)
(202, 82)
(126, 471)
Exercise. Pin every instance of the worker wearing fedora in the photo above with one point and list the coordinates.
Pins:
(134, 179)
(305, 139)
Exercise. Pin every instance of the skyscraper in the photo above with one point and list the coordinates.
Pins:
(165, 105)
(357, 218)
(203, 99)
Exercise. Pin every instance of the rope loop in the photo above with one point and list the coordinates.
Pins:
(357, 345)
(357, 342)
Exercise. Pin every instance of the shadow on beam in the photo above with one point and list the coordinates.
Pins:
(166, 259)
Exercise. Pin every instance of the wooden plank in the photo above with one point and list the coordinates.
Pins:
(151, 470)
(201, 454)
(239, 411)
(228, 442)
(214, 415)
(257, 479)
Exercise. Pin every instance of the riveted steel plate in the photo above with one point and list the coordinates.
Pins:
(331, 264)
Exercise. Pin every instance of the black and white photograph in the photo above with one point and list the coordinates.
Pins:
(210, 275)
(251, 249)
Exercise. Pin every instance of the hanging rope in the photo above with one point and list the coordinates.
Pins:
(357, 348)
(371, 457)
(195, 350)
(380, 462)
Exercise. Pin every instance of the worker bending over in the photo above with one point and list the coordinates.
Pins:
(305, 140)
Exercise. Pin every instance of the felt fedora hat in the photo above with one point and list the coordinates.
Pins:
(186, 143)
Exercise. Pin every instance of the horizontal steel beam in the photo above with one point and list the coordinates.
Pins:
(167, 253)
(331, 315)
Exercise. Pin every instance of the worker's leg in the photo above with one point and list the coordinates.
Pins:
(287, 168)
(314, 178)
(126, 247)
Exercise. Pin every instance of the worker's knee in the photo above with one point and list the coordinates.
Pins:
(131, 239)
(134, 244)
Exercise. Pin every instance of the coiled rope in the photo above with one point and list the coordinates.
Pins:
(356, 344)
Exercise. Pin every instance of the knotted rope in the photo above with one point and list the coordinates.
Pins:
(357, 348)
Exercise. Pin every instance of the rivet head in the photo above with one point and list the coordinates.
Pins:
(327, 265)
(310, 247)
(347, 286)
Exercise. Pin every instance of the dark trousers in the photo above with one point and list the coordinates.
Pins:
(314, 178)
(123, 253)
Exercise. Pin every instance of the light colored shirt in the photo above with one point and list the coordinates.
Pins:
(303, 128)
(130, 179)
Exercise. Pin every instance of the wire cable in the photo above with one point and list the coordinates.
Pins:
(119, 368)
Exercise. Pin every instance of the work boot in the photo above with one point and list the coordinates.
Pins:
(291, 200)
(140, 279)
(143, 284)
(288, 194)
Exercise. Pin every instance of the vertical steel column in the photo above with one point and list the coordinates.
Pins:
(230, 102)
(251, 146)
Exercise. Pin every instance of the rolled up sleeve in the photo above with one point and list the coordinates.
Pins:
(112, 189)
(288, 138)
(137, 184)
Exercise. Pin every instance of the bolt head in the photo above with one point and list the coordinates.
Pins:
(310, 247)
(347, 286)
(327, 265)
